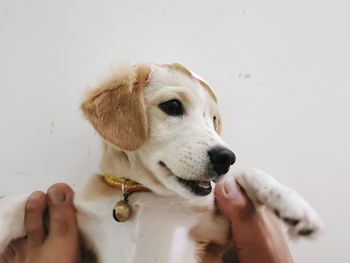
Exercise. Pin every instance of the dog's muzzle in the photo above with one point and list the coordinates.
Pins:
(221, 159)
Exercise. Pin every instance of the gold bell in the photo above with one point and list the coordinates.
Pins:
(121, 211)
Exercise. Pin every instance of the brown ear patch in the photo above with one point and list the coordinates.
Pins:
(116, 108)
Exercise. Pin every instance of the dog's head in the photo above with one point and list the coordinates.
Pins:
(168, 117)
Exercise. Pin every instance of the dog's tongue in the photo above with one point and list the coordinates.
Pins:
(204, 184)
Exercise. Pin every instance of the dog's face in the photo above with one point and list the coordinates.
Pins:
(169, 118)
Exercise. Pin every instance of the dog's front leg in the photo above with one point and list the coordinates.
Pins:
(287, 204)
(12, 211)
(211, 236)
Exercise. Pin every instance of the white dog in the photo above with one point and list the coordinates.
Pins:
(162, 151)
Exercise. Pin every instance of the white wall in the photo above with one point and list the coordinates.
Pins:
(280, 68)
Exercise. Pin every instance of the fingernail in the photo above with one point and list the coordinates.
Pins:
(230, 188)
(35, 195)
(56, 196)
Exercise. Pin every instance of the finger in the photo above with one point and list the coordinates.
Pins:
(8, 255)
(232, 201)
(62, 214)
(18, 248)
(15, 251)
(34, 214)
(3, 259)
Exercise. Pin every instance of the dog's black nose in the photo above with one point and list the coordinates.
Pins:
(221, 158)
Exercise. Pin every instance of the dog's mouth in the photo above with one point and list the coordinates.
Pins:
(198, 187)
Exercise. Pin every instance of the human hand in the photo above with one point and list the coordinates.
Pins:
(256, 234)
(61, 243)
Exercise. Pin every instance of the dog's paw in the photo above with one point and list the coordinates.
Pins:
(300, 218)
(12, 212)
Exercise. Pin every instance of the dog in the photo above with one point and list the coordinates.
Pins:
(162, 154)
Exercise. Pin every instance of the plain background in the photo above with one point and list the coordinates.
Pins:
(280, 70)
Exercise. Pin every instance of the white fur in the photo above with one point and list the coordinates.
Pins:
(11, 219)
(151, 235)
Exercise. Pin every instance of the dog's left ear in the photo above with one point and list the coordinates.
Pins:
(117, 110)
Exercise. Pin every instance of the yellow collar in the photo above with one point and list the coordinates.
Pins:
(121, 183)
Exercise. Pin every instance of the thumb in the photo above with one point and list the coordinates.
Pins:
(62, 214)
(231, 200)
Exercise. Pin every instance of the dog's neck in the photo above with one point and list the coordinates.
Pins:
(129, 166)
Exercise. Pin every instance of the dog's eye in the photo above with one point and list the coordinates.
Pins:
(214, 119)
(172, 107)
